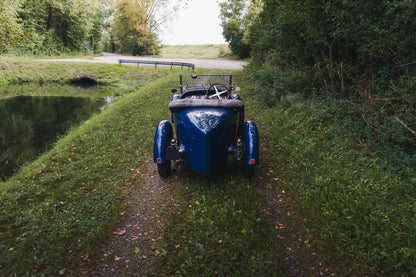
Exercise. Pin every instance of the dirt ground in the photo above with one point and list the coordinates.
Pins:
(134, 243)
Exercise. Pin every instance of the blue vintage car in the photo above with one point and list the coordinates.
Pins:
(209, 131)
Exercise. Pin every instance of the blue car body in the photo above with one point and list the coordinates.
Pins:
(209, 129)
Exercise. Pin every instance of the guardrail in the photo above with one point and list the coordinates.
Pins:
(156, 63)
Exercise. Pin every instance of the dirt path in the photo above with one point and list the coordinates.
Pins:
(134, 244)
(199, 63)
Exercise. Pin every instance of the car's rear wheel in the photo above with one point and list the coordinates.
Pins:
(164, 169)
(163, 138)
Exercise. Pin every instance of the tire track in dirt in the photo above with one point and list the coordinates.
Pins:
(135, 240)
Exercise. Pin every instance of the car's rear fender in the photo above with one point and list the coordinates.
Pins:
(163, 134)
(251, 137)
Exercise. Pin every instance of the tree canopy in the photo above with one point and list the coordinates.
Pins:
(345, 48)
(50, 26)
(62, 26)
(135, 25)
(10, 27)
(236, 18)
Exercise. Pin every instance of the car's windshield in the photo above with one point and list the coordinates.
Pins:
(191, 82)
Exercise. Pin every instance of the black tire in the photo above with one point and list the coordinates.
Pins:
(249, 170)
(164, 169)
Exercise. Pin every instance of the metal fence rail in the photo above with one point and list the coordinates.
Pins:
(156, 63)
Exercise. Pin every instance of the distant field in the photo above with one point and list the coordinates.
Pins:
(206, 51)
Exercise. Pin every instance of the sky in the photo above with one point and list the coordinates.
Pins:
(198, 23)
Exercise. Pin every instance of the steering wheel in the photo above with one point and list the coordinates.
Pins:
(217, 92)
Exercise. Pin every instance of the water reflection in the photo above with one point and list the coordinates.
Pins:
(28, 125)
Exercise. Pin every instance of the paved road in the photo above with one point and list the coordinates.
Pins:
(199, 63)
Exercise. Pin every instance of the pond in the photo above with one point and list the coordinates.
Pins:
(30, 124)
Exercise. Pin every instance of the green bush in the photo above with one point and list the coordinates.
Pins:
(347, 49)
(273, 83)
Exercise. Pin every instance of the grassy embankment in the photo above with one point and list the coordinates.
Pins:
(57, 211)
(351, 200)
(60, 208)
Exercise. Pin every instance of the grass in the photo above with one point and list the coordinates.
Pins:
(57, 211)
(53, 89)
(354, 191)
(16, 71)
(351, 199)
(221, 229)
(206, 51)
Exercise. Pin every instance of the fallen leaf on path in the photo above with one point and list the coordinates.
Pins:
(122, 232)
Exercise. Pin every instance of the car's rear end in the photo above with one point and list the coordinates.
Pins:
(208, 131)
(209, 128)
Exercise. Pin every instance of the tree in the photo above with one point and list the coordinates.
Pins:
(54, 26)
(10, 27)
(137, 22)
(132, 28)
(236, 18)
(343, 48)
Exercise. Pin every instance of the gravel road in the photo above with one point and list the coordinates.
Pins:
(199, 63)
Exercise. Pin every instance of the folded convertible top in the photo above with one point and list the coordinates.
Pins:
(181, 104)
